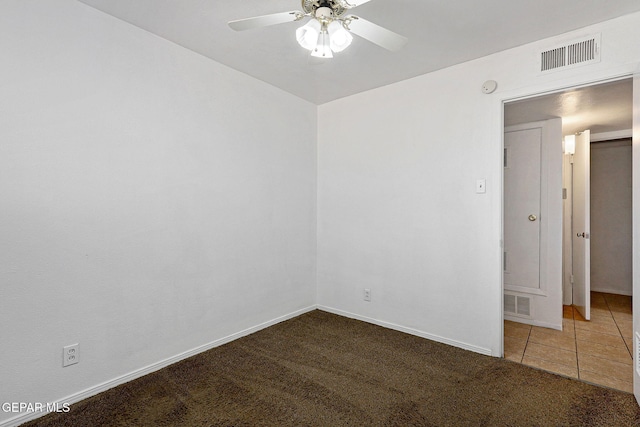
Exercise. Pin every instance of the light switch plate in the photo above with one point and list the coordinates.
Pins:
(481, 186)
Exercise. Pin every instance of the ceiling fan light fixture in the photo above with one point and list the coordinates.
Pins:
(339, 37)
(307, 35)
(323, 46)
(328, 30)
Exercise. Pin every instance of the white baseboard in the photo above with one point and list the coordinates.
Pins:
(613, 291)
(411, 331)
(532, 322)
(92, 391)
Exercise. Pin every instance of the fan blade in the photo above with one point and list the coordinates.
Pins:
(375, 33)
(266, 20)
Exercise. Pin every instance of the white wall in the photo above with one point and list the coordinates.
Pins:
(151, 200)
(397, 208)
(611, 230)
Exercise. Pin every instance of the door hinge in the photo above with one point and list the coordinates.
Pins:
(571, 278)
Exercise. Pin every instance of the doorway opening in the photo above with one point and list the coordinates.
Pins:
(565, 314)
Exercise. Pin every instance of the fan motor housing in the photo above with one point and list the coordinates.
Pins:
(337, 6)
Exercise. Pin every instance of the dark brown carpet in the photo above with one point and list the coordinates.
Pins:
(325, 370)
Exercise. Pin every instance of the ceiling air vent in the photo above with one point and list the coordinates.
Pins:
(575, 53)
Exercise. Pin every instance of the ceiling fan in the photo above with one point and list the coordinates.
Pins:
(329, 29)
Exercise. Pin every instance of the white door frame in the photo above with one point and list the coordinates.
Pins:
(574, 83)
(581, 223)
(635, 265)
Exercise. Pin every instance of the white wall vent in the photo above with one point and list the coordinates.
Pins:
(554, 58)
(517, 305)
(577, 52)
(509, 304)
(523, 306)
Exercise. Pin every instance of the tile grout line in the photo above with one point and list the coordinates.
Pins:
(597, 356)
(526, 344)
(572, 322)
(575, 339)
(618, 327)
(607, 359)
(549, 346)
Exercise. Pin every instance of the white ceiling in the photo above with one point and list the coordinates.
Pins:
(441, 34)
(602, 108)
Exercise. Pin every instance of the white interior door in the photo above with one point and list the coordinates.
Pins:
(581, 220)
(533, 223)
(522, 207)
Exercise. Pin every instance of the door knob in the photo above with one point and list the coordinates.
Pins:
(580, 234)
(532, 217)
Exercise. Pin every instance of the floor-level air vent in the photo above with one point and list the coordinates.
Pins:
(575, 53)
(523, 306)
(517, 305)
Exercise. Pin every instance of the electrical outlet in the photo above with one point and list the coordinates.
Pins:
(70, 355)
(367, 294)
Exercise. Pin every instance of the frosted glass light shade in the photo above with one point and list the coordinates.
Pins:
(339, 37)
(307, 35)
(323, 49)
(570, 144)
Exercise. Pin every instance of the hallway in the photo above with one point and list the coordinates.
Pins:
(596, 351)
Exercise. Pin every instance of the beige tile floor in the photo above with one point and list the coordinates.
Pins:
(597, 351)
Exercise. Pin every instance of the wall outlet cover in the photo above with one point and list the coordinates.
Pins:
(70, 355)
